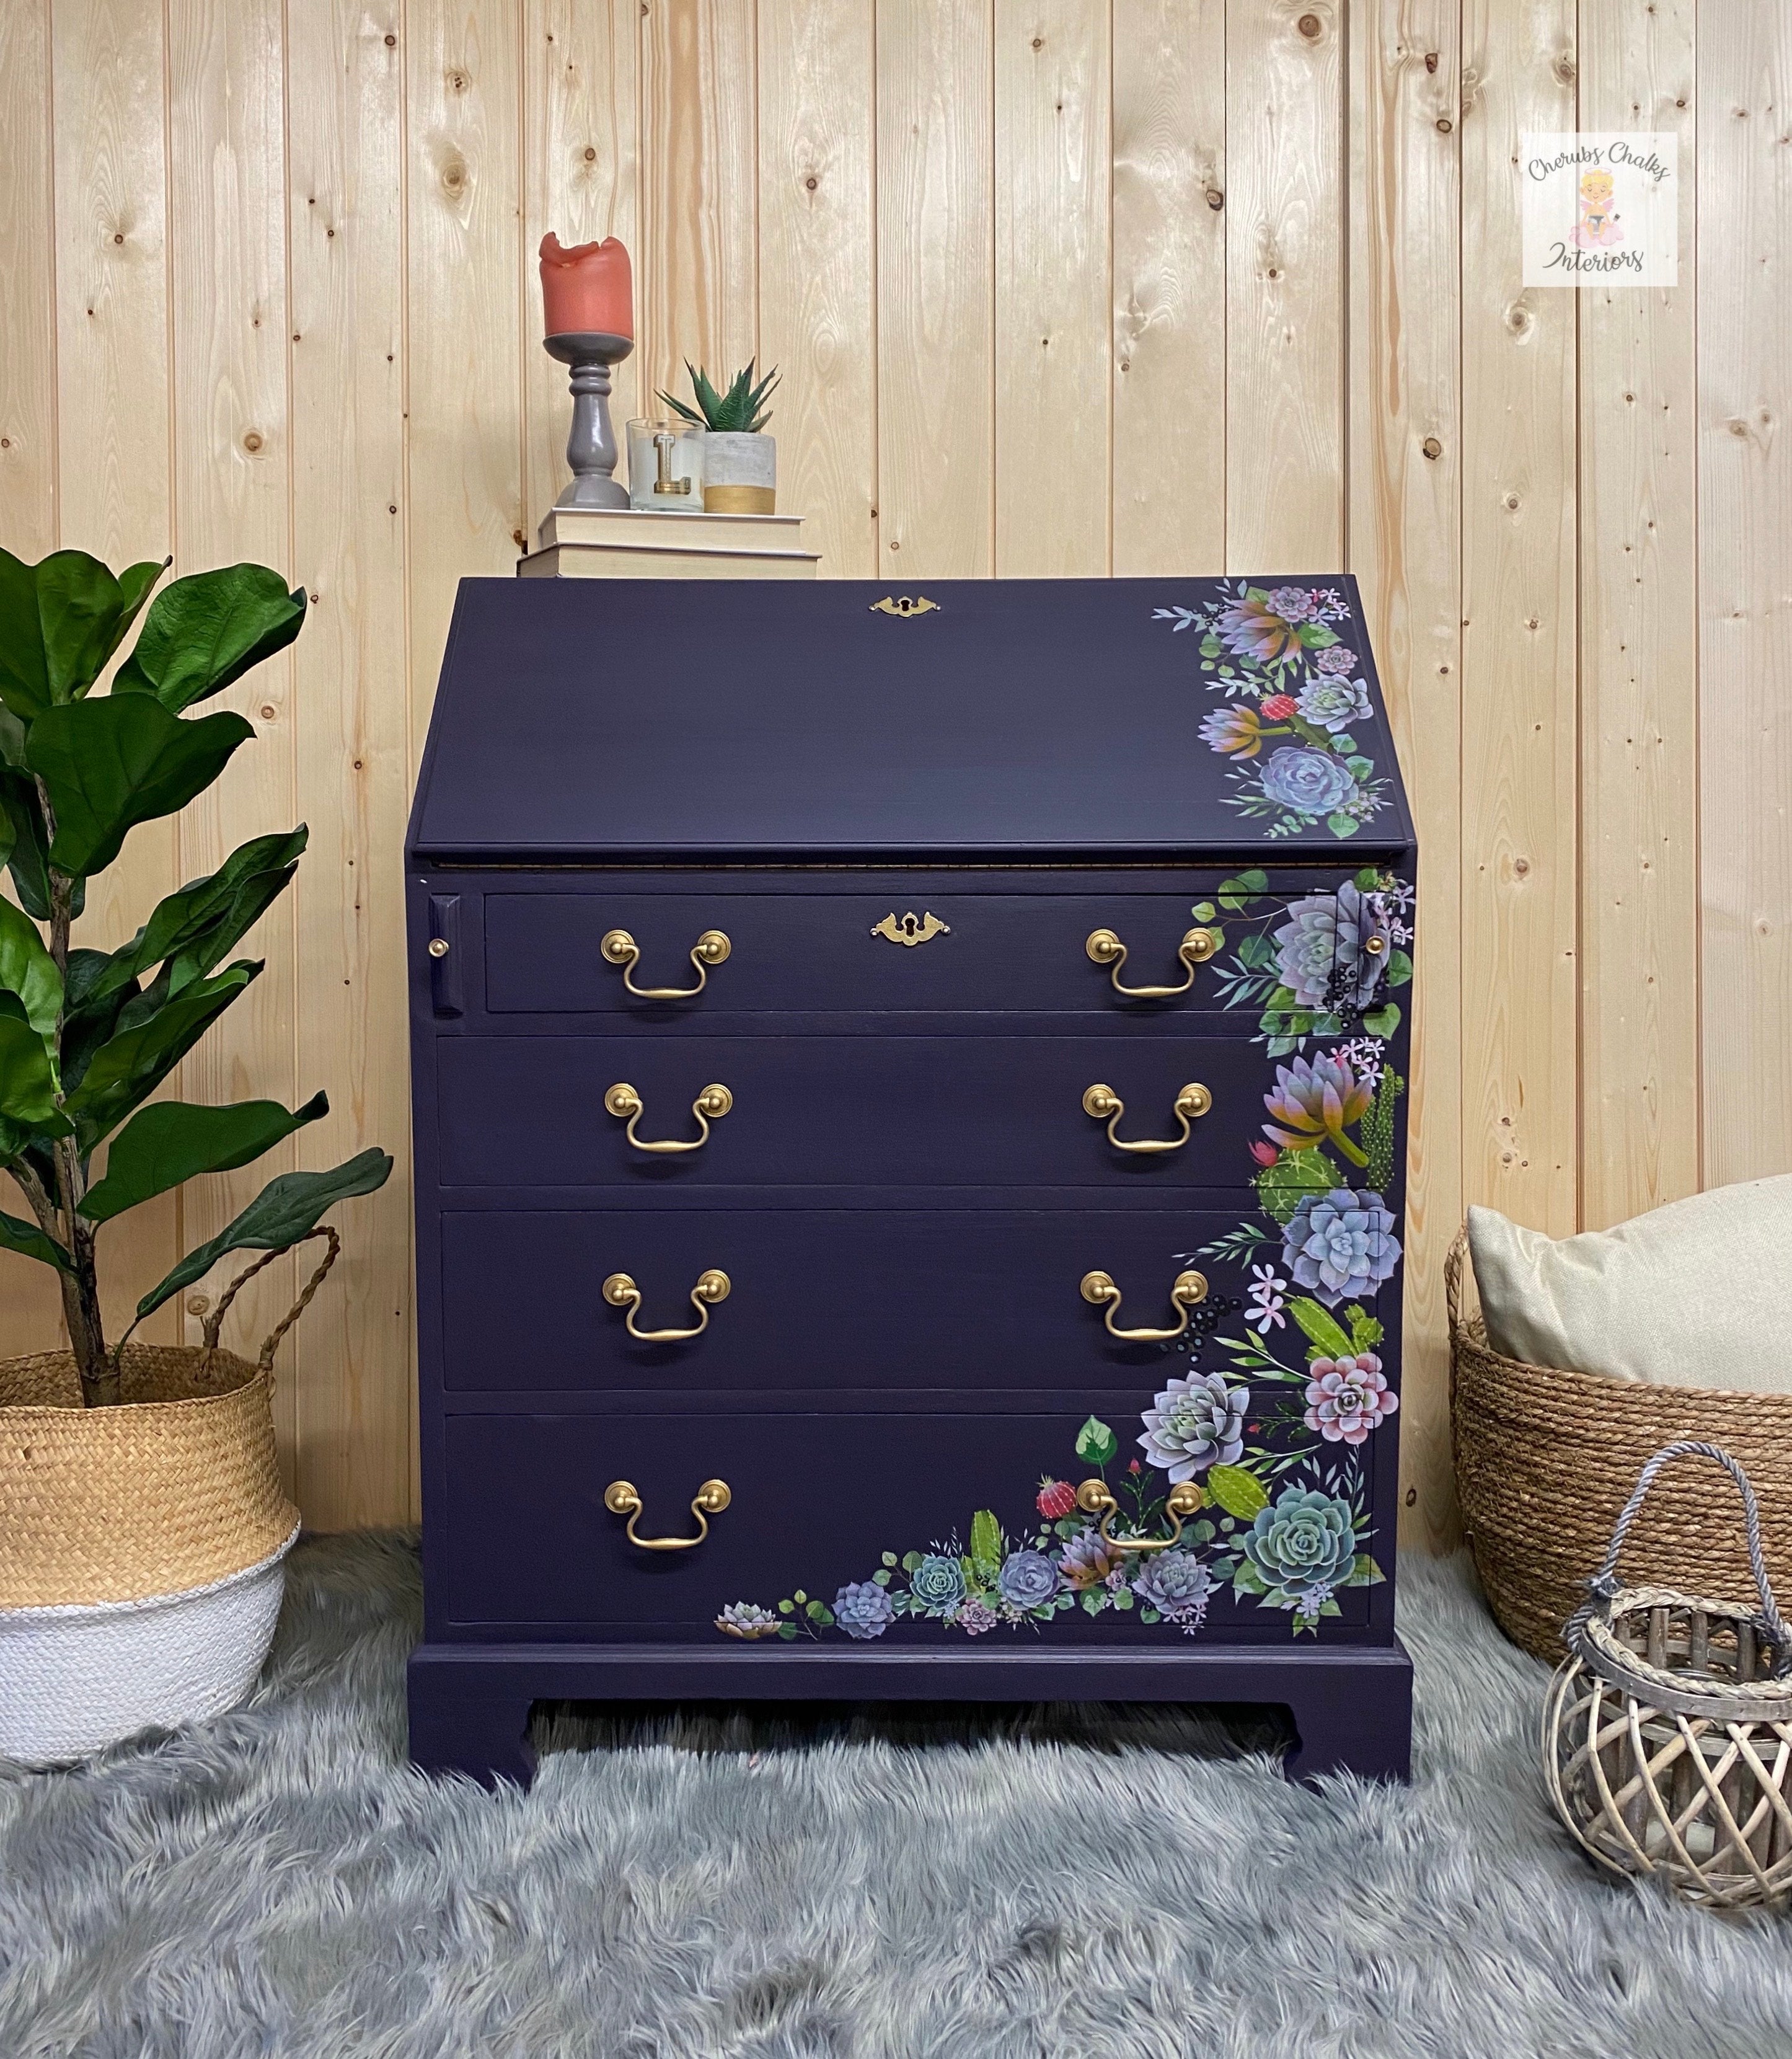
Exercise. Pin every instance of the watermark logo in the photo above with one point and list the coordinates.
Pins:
(1600, 208)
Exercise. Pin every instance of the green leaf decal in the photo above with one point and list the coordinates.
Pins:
(172, 1141)
(27, 970)
(1237, 1490)
(1096, 1443)
(280, 1214)
(1365, 1332)
(206, 630)
(1399, 969)
(1383, 1021)
(111, 763)
(1365, 1573)
(986, 1544)
(1282, 1187)
(1378, 1130)
(1321, 1329)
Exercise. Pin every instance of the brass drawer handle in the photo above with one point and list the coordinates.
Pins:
(1106, 1105)
(624, 1498)
(621, 1292)
(625, 1103)
(1196, 947)
(1093, 1498)
(619, 949)
(1186, 1290)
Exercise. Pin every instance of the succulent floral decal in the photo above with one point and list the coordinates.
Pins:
(1293, 691)
(1274, 1443)
(1291, 1552)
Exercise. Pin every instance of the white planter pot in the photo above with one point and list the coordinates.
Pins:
(76, 1677)
(740, 473)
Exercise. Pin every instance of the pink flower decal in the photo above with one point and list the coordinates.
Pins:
(1348, 1397)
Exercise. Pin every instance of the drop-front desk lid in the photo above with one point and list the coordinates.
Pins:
(640, 720)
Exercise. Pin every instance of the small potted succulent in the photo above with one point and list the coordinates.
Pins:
(740, 462)
(143, 1528)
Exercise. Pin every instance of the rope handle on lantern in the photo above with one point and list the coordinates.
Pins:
(214, 1322)
(1603, 1586)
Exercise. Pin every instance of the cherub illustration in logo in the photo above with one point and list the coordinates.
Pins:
(1598, 228)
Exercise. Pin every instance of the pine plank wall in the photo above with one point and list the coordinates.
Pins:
(1057, 287)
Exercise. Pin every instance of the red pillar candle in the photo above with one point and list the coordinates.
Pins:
(589, 288)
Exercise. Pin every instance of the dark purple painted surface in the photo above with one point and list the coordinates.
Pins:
(831, 1111)
(907, 1191)
(1022, 718)
(893, 1294)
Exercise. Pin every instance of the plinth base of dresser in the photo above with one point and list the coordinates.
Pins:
(1352, 1705)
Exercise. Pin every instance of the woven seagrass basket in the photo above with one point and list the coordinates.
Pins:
(1546, 1460)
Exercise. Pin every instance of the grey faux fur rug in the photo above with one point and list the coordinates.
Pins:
(278, 1881)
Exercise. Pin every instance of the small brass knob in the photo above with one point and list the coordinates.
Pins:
(438, 947)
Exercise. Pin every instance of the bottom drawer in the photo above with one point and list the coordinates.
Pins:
(943, 1523)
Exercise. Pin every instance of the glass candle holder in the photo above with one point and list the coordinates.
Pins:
(666, 467)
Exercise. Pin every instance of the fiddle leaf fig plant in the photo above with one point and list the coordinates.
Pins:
(86, 1036)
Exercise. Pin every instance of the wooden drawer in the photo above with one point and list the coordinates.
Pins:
(830, 1110)
(888, 1293)
(817, 1501)
(807, 950)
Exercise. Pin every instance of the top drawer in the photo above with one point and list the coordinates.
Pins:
(934, 946)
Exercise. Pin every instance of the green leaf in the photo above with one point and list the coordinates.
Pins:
(1093, 1600)
(29, 1241)
(28, 847)
(1248, 1580)
(132, 1062)
(1234, 892)
(1363, 767)
(1123, 1598)
(1255, 952)
(60, 621)
(1315, 636)
(910, 1560)
(27, 970)
(1282, 1187)
(1343, 826)
(111, 763)
(1096, 1443)
(283, 1211)
(206, 630)
(173, 1140)
(1237, 1490)
(1399, 969)
(1369, 878)
(881, 1576)
(786, 1629)
(1384, 1020)
(1322, 1329)
(1204, 911)
(888, 1558)
(28, 1079)
(986, 1544)
(1365, 1332)
(1365, 1573)
(193, 928)
(786, 1608)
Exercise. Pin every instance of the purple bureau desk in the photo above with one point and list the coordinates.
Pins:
(909, 1132)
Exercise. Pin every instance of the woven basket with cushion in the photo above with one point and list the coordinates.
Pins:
(1546, 1460)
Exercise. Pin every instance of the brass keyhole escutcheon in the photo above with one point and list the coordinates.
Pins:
(624, 1498)
(619, 949)
(625, 1103)
(1187, 1290)
(1106, 949)
(1102, 1102)
(713, 1286)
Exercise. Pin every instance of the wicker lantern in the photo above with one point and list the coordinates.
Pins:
(1667, 1731)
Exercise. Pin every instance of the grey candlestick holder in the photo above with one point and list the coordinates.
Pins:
(591, 447)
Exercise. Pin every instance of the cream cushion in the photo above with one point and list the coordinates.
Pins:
(1696, 1294)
